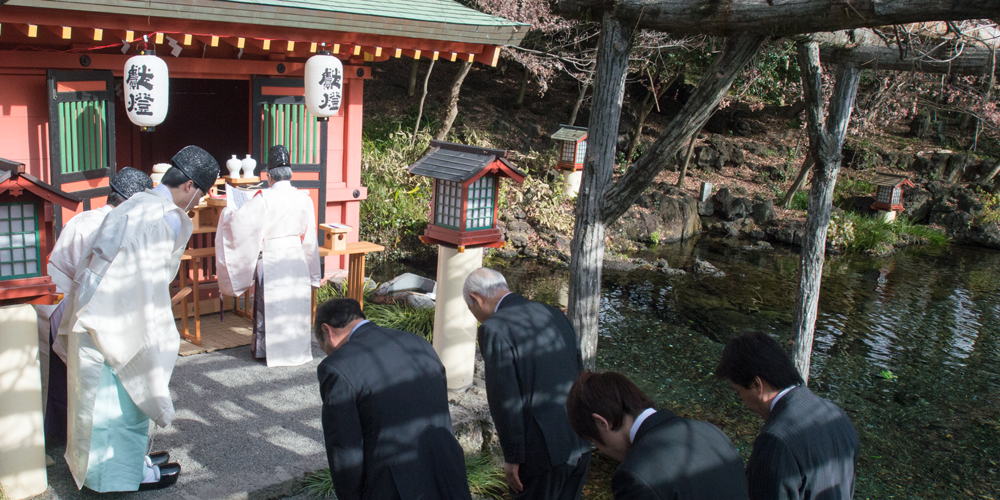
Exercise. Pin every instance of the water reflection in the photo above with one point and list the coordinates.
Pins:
(928, 317)
(932, 432)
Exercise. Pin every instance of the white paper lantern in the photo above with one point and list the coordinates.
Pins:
(147, 89)
(324, 80)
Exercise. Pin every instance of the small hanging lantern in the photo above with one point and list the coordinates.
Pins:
(147, 87)
(324, 79)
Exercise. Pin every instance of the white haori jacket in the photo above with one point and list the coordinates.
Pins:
(279, 224)
(119, 313)
(74, 240)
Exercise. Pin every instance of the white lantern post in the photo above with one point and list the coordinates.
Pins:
(324, 81)
(147, 89)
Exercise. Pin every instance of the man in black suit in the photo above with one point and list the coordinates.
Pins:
(808, 447)
(532, 357)
(662, 455)
(385, 411)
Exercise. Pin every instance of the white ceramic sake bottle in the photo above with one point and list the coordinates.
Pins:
(249, 164)
(233, 165)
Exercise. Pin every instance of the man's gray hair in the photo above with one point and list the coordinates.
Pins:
(485, 282)
(278, 174)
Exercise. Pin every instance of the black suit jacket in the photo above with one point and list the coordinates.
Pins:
(386, 421)
(808, 448)
(681, 459)
(532, 357)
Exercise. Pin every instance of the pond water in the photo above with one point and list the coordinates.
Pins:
(908, 346)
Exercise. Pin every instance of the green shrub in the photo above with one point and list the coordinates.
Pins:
(800, 200)
(991, 208)
(397, 204)
(486, 479)
(873, 235)
(408, 319)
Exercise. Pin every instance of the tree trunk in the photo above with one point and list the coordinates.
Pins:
(776, 19)
(595, 206)
(713, 86)
(825, 143)
(588, 230)
(524, 87)
(807, 165)
(687, 161)
(579, 102)
(867, 51)
(420, 110)
(451, 111)
(413, 77)
(644, 110)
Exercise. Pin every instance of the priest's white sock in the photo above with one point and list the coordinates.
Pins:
(151, 473)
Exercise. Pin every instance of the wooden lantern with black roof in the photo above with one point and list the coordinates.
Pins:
(464, 203)
(889, 193)
(572, 147)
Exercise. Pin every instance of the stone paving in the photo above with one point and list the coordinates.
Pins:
(241, 431)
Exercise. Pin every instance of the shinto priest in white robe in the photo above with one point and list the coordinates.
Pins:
(121, 340)
(74, 239)
(278, 225)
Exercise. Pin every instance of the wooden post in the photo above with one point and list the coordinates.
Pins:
(598, 205)
(588, 231)
(825, 143)
(412, 87)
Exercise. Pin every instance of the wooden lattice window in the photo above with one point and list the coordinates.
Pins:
(448, 204)
(568, 151)
(581, 151)
(896, 192)
(19, 252)
(479, 210)
(293, 126)
(885, 194)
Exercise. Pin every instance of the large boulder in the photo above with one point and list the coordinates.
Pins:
(917, 202)
(678, 217)
(763, 212)
(669, 215)
(732, 207)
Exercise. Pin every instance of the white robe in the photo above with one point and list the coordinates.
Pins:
(118, 314)
(280, 225)
(74, 239)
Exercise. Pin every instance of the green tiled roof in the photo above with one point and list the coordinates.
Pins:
(435, 11)
(442, 20)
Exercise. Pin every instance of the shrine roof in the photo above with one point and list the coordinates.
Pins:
(570, 133)
(445, 20)
(458, 162)
(891, 180)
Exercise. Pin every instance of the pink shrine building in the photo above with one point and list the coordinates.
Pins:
(236, 69)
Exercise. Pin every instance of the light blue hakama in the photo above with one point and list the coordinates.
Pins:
(118, 439)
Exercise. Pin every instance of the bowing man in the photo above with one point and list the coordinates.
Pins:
(119, 329)
(74, 239)
(385, 411)
(271, 242)
(662, 455)
(531, 357)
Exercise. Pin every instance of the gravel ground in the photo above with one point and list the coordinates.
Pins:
(241, 431)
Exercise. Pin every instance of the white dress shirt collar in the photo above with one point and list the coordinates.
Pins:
(779, 396)
(638, 422)
(495, 309)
